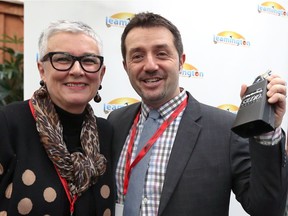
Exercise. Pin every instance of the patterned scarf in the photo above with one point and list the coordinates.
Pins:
(81, 170)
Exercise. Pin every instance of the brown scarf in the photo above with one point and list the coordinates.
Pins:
(81, 170)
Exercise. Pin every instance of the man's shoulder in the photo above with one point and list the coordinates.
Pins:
(128, 108)
(124, 111)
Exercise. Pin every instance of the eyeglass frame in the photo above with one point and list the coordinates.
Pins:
(49, 56)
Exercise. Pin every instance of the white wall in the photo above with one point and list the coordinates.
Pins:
(224, 66)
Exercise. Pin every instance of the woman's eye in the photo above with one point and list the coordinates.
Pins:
(90, 61)
(62, 60)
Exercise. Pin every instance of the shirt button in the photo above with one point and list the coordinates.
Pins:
(145, 200)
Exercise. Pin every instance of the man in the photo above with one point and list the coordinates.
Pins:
(195, 160)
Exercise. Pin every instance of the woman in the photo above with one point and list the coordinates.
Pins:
(54, 153)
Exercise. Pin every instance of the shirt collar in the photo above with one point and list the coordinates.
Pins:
(166, 109)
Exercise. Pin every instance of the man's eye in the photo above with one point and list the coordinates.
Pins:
(162, 54)
(137, 57)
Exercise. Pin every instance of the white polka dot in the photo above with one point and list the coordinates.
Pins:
(25, 206)
(49, 194)
(1, 171)
(3, 213)
(28, 177)
(8, 191)
(107, 212)
(105, 191)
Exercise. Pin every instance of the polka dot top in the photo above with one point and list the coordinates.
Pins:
(29, 183)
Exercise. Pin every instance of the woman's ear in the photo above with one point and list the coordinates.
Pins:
(102, 72)
(41, 70)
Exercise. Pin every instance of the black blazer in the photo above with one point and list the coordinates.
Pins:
(21, 152)
(208, 161)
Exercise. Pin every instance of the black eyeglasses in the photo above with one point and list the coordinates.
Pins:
(63, 61)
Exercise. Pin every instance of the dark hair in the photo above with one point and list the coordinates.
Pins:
(147, 20)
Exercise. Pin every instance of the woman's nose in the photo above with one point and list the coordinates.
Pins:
(77, 69)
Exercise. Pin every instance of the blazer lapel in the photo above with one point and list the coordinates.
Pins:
(184, 143)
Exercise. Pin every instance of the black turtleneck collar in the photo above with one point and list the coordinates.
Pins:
(72, 126)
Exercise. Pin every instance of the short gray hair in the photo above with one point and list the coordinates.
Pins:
(66, 26)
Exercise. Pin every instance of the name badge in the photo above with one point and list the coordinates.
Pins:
(119, 209)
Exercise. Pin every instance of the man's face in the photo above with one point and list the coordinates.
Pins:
(152, 64)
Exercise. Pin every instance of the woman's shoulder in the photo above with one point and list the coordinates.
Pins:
(16, 105)
(15, 109)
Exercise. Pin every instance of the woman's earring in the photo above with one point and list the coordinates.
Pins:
(42, 83)
(97, 98)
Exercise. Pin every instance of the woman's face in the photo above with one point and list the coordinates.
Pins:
(71, 90)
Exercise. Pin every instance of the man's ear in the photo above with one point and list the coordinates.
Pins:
(182, 61)
(124, 65)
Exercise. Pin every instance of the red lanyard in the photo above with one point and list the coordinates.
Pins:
(66, 188)
(32, 109)
(128, 165)
(63, 181)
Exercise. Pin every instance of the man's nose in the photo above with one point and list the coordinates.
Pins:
(151, 63)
